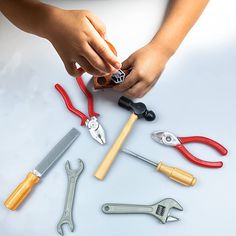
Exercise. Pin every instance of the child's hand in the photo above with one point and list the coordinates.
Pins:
(146, 65)
(78, 36)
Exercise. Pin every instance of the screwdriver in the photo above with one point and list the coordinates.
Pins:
(176, 174)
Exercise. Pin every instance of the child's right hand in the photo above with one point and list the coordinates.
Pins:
(79, 36)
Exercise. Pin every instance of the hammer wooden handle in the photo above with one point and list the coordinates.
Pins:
(111, 155)
(177, 174)
(21, 192)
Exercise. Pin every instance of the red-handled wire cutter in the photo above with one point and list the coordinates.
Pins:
(170, 139)
(95, 129)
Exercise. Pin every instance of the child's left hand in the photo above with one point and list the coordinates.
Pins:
(146, 65)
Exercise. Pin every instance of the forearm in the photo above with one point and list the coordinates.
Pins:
(180, 18)
(28, 15)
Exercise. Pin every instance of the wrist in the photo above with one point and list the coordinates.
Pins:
(43, 19)
(161, 50)
(163, 46)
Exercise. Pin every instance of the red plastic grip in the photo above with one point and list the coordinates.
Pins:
(199, 139)
(69, 104)
(89, 96)
(197, 161)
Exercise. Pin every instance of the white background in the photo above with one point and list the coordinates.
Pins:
(194, 96)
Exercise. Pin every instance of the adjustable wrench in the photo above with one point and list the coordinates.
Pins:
(72, 176)
(160, 210)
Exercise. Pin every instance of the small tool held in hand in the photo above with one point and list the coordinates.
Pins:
(169, 139)
(110, 80)
(160, 210)
(72, 176)
(173, 173)
(22, 191)
(139, 110)
(94, 127)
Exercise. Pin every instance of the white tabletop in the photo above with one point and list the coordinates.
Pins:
(194, 96)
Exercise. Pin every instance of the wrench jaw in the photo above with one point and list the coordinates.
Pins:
(60, 230)
(68, 220)
(70, 224)
(76, 173)
(162, 210)
(172, 219)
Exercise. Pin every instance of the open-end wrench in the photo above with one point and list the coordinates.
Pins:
(72, 176)
(160, 210)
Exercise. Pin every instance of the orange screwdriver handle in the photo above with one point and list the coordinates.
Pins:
(177, 174)
(21, 192)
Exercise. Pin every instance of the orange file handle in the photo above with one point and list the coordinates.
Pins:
(21, 192)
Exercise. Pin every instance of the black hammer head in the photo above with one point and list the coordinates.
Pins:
(138, 108)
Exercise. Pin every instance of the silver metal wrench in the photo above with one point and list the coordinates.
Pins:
(160, 210)
(72, 176)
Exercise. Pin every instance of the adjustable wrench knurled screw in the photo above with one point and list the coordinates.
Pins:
(72, 176)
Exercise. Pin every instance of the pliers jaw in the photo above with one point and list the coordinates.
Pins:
(165, 138)
(96, 130)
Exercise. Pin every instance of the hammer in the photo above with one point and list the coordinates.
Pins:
(139, 110)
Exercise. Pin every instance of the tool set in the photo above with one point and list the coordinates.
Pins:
(139, 110)
(72, 176)
(22, 191)
(169, 139)
(173, 173)
(95, 129)
(160, 210)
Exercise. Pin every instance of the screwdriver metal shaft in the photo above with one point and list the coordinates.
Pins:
(173, 173)
(127, 151)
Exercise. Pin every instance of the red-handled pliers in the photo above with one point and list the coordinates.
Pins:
(170, 139)
(95, 129)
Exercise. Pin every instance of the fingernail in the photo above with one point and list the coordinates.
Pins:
(113, 71)
(117, 65)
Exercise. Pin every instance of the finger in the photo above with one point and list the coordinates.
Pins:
(80, 71)
(87, 67)
(96, 61)
(97, 24)
(130, 80)
(102, 49)
(128, 63)
(149, 87)
(138, 90)
(71, 68)
(145, 91)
